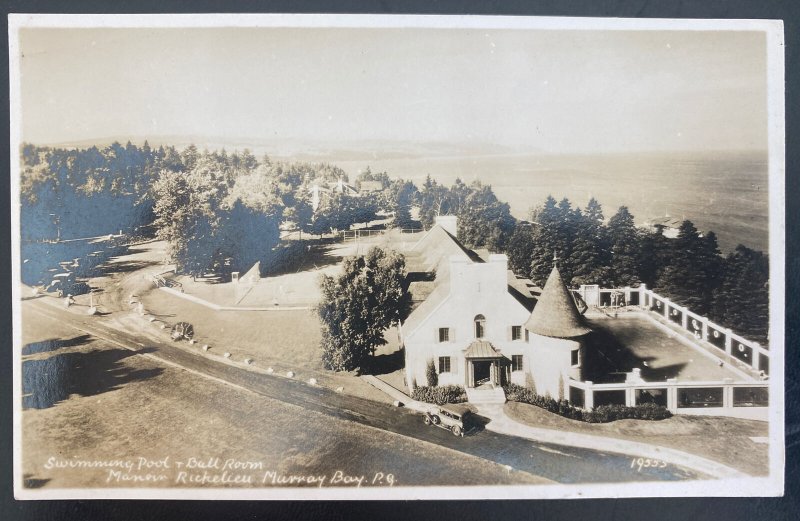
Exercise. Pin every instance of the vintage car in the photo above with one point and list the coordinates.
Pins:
(457, 419)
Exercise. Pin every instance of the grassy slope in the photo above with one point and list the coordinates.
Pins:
(721, 439)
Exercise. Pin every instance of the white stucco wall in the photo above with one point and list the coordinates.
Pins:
(475, 289)
(550, 357)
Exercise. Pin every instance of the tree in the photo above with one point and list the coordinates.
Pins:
(432, 200)
(625, 248)
(249, 216)
(397, 199)
(189, 157)
(692, 276)
(483, 221)
(590, 256)
(340, 211)
(359, 305)
(656, 253)
(546, 243)
(431, 376)
(367, 175)
(216, 212)
(520, 251)
(741, 300)
(186, 221)
(301, 214)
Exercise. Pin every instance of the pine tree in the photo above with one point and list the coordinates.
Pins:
(397, 198)
(545, 240)
(741, 300)
(656, 252)
(625, 249)
(520, 251)
(693, 272)
(432, 200)
(590, 251)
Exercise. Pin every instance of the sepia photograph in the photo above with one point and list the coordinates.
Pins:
(396, 257)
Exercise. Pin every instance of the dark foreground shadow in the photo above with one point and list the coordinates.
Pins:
(607, 360)
(478, 424)
(29, 481)
(384, 364)
(120, 267)
(54, 344)
(46, 382)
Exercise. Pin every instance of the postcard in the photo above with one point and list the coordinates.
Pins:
(396, 257)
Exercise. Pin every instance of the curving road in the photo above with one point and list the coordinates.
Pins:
(558, 463)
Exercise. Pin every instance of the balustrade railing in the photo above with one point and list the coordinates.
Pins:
(751, 353)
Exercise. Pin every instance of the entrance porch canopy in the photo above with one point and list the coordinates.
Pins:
(481, 349)
(484, 364)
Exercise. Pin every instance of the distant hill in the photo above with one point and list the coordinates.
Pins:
(303, 149)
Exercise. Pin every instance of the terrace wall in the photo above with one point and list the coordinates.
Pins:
(739, 399)
(748, 400)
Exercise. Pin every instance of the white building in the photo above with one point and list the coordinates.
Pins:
(667, 226)
(481, 327)
(321, 189)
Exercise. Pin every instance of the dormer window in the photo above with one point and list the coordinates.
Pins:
(480, 326)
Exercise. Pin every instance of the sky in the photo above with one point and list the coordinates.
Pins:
(530, 90)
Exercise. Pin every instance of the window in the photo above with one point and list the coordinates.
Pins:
(575, 357)
(444, 334)
(516, 362)
(516, 332)
(480, 326)
(444, 364)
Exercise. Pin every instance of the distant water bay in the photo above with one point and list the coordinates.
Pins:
(723, 192)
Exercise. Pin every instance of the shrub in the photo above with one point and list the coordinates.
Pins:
(600, 414)
(440, 395)
(609, 413)
(430, 374)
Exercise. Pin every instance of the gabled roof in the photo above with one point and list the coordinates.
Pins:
(433, 252)
(436, 248)
(555, 314)
(520, 289)
(426, 307)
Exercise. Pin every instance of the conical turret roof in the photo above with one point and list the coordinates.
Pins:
(555, 314)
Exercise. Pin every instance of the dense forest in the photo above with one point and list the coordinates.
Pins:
(732, 290)
(222, 212)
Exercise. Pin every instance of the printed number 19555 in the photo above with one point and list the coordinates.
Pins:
(644, 463)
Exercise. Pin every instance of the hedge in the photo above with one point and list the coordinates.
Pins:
(440, 395)
(610, 413)
(600, 414)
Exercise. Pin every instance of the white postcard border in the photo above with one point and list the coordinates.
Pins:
(750, 487)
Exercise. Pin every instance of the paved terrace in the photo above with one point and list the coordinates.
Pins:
(618, 345)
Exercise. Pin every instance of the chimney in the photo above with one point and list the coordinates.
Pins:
(473, 280)
(449, 223)
(499, 271)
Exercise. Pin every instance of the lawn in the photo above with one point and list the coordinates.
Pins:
(282, 340)
(726, 440)
(294, 280)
